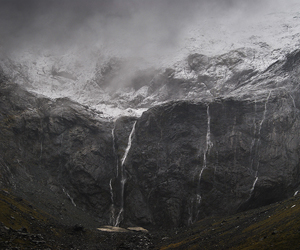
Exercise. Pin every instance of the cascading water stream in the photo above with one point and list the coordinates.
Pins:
(112, 207)
(209, 145)
(122, 175)
(293, 100)
(194, 214)
(254, 137)
(264, 114)
(258, 142)
(69, 196)
(111, 191)
(128, 146)
(254, 183)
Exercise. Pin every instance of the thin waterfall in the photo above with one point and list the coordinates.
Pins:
(111, 191)
(112, 207)
(69, 196)
(195, 202)
(209, 145)
(128, 145)
(264, 114)
(122, 173)
(293, 100)
(258, 142)
(253, 185)
(254, 135)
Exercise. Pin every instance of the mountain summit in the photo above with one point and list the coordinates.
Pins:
(98, 137)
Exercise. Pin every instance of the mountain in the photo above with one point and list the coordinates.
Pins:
(93, 138)
(179, 162)
(210, 54)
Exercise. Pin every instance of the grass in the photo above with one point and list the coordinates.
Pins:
(16, 213)
(276, 226)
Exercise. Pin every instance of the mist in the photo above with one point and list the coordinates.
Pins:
(146, 33)
(132, 27)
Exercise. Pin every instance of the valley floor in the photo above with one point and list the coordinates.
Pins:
(276, 226)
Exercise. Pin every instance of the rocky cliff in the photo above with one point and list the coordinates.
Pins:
(191, 160)
(194, 159)
(180, 161)
(55, 153)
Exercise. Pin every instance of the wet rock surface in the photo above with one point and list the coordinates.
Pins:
(191, 160)
(186, 160)
(55, 153)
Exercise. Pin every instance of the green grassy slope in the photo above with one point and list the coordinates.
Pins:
(276, 226)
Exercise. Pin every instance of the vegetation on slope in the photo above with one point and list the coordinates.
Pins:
(276, 226)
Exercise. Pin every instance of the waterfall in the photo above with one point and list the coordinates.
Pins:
(111, 191)
(293, 100)
(112, 207)
(69, 196)
(193, 209)
(128, 146)
(258, 142)
(253, 185)
(209, 145)
(122, 176)
(195, 202)
(264, 114)
(254, 133)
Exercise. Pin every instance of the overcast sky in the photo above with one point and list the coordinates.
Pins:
(133, 25)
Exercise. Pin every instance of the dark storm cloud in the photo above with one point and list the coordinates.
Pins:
(133, 25)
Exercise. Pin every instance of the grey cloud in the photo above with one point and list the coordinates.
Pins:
(130, 26)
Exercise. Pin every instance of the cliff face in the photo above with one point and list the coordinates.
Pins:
(177, 163)
(193, 159)
(190, 160)
(54, 152)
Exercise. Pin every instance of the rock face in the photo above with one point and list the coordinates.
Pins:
(191, 160)
(194, 159)
(55, 152)
(179, 162)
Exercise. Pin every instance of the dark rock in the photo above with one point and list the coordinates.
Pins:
(274, 232)
(197, 61)
(78, 228)
(188, 159)
(170, 151)
(55, 149)
(23, 230)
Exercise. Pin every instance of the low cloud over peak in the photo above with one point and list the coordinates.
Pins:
(135, 28)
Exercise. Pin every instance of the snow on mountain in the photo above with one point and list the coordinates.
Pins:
(100, 78)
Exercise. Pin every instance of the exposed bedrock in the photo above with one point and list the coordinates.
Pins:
(190, 160)
(55, 153)
(179, 162)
